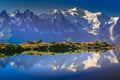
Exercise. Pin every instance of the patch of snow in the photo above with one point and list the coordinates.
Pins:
(12, 15)
(55, 11)
(64, 13)
(93, 21)
(13, 64)
(72, 67)
(1, 34)
(112, 59)
(73, 9)
(91, 61)
(53, 67)
(113, 22)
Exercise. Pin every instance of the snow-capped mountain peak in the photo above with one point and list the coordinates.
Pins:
(88, 13)
(54, 11)
(75, 9)
(12, 14)
(15, 13)
(71, 23)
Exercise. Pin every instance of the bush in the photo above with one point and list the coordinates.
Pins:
(39, 41)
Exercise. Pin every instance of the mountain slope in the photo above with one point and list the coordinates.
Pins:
(58, 25)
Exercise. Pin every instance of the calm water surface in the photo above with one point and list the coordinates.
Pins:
(78, 66)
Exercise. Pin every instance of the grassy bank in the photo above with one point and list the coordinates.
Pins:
(39, 47)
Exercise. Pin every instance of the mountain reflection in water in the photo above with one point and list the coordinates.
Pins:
(78, 66)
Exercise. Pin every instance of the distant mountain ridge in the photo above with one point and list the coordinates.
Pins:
(59, 25)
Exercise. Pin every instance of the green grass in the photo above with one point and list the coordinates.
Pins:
(39, 47)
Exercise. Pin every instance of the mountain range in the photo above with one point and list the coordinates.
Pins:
(73, 24)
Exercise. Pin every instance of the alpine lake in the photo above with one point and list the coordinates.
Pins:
(59, 61)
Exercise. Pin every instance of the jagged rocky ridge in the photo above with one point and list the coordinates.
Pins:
(58, 25)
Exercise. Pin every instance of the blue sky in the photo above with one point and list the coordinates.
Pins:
(109, 7)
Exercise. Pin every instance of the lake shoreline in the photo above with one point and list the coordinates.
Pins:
(39, 47)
